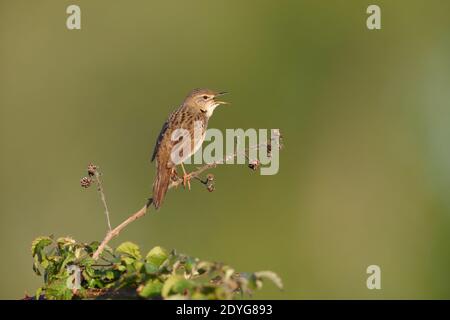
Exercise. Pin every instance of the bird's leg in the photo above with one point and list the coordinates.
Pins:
(186, 178)
(174, 174)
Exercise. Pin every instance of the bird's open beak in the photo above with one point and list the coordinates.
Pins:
(219, 94)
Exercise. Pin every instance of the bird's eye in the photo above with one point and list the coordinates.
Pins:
(205, 97)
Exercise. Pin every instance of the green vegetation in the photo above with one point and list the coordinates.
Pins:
(124, 273)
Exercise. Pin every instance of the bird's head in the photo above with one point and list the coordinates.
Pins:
(204, 100)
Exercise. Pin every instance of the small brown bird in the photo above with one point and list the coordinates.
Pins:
(175, 146)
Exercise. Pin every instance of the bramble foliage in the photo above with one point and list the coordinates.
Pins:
(124, 273)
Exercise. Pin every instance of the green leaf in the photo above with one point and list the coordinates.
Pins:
(36, 268)
(156, 256)
(151, 289)
(208, 291)
(199, 296)
(93, 246)
(158, 275)
(95, 283)
(190, 264)
(38, 293)
(58, 290)
(120, 268)
(176, 284)
(86, 261)
(130, 249)
(150, 268)
(68, 260)
(39, 244)
(44, 263)
(128, 260)
(177, 297)
(109, 274)
(170, 282)
(90, 272)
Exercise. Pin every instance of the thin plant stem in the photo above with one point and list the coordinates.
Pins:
(103, 198)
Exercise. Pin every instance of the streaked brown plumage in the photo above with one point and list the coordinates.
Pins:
(197, 107)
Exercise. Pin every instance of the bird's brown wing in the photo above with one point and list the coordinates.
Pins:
(164, 166)
(175, 120)
(159, 140)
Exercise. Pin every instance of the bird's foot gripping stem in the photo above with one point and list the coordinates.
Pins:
(186, 178)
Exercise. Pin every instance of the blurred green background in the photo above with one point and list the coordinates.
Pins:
(364, 176)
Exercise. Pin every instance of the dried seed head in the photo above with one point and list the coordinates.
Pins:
(86, 182)
(254, 165)
(210, 177)
(92, 168)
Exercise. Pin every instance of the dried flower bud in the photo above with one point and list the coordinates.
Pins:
(86, 182)
(254, 165)
(92, 168)
(210, 177)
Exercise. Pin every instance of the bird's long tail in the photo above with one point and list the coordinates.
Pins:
(161, 184)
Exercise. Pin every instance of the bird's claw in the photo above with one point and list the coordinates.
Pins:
(187, 180)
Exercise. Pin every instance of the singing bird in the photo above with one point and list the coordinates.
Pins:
(175, 146)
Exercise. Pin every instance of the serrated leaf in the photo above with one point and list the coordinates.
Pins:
(93, 246)
(95, 283)
(130, 249)
(150, 268)
(170, 282)
(121, 268)
(45, 263)
(151, 289)
(86, 261)
(157, 256)
(109, 275)
(176, 284)
(128, 260)
(68, 260)
(39, 244)
(171, 276)
(89, 272)
(58, 290)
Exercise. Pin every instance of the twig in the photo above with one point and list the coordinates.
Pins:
(115, 232)
(102, 196)
(194, 174)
